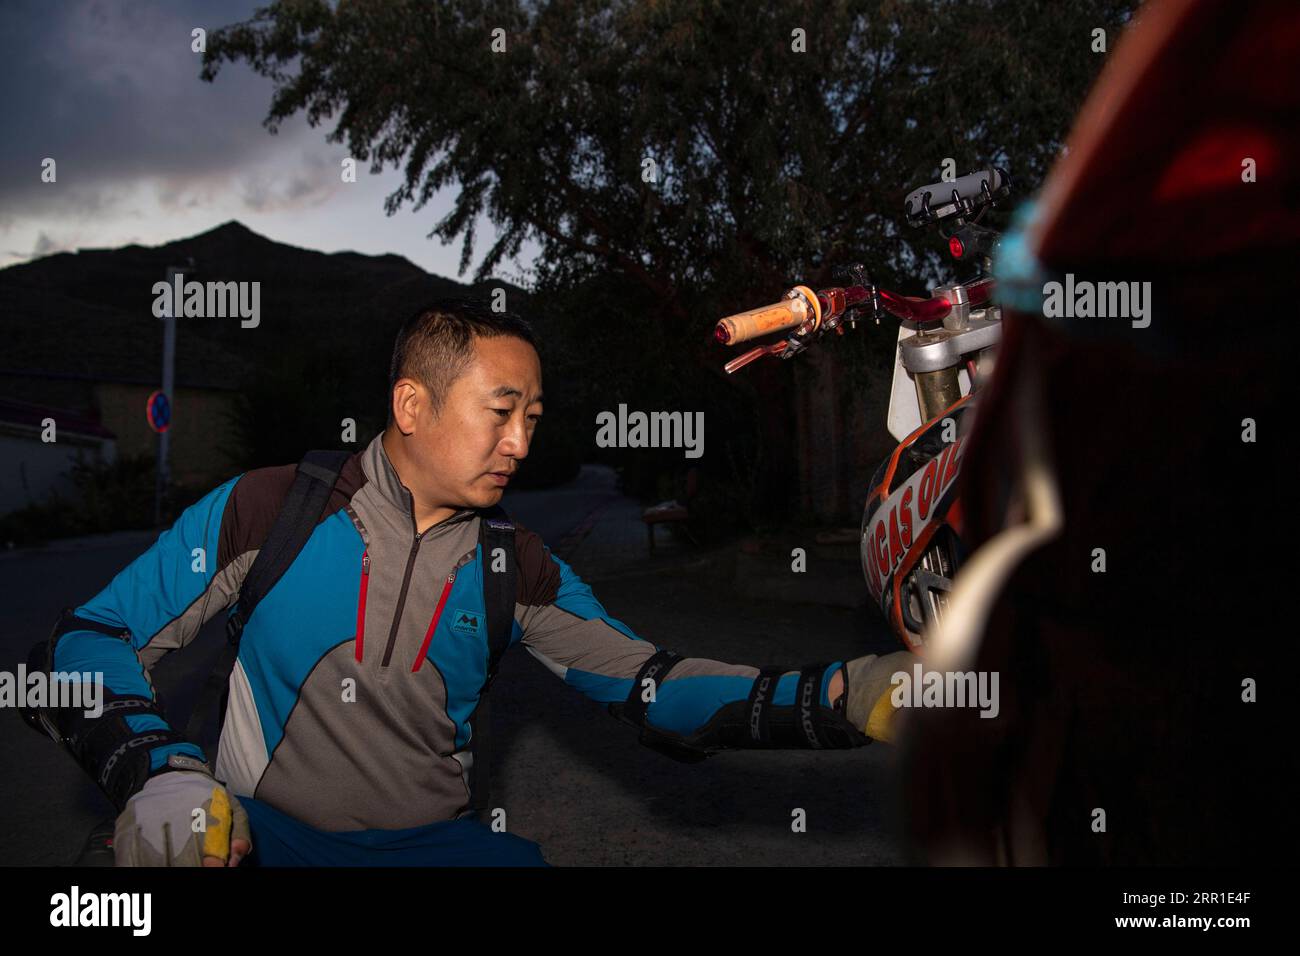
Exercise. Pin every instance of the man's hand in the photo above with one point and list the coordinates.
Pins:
(866, 697)
(182, 818)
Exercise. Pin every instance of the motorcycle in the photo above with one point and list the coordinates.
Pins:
(911, 536)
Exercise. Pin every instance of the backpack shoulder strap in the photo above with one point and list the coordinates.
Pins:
(299, 514)
(497, 539)
(495, 531)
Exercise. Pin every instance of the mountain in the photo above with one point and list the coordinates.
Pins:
(88, 314)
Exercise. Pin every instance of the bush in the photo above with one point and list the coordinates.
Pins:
(112, 496)
(106, 496)
(36, 524)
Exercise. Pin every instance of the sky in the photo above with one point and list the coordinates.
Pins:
(146, 152)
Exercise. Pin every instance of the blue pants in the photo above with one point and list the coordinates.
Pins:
(280, 840)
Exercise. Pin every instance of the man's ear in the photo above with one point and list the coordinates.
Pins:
(406, 399)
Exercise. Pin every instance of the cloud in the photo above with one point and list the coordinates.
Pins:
(77, 202)
(111, 92)
(310, 181)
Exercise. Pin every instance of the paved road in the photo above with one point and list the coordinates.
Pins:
(567, 775)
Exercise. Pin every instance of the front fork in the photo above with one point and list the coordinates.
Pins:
(936, 391)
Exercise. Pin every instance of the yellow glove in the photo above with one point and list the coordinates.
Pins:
(867, 692)
(182, 818)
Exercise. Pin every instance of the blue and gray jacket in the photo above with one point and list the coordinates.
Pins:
(350, 700)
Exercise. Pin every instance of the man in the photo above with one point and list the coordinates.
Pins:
(346, 736)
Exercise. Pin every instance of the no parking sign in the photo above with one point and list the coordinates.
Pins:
(159, 411)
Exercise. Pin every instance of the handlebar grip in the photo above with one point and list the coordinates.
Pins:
(743, 326)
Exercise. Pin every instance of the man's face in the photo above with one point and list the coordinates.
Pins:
(464, 455)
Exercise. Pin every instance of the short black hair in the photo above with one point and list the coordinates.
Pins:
(436, 344)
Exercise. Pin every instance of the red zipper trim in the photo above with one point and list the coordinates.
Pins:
(428, 636)
(361, 604)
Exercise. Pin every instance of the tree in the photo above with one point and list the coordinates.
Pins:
(681, 161)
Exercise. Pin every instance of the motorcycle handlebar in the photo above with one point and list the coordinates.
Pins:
(810, 311)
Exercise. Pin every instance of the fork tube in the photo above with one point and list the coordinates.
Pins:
(935, 391)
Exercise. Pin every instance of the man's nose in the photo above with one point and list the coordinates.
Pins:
(515, 442)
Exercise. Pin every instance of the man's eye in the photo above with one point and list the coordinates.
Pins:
(502, 411)
(534, 418)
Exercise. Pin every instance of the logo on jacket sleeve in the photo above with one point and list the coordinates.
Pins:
(466, 622)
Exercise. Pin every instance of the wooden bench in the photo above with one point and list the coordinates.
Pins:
(672, 512)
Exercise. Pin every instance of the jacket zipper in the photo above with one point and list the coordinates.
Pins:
(401, 598)
(428, 635)
(401, 601)
(361, 604)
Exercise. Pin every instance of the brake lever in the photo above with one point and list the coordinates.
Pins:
(776, 348)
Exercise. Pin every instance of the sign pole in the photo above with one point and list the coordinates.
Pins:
(168, 382)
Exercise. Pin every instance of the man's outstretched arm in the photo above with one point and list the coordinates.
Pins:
(686, 707)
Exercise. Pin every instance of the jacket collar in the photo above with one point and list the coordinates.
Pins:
(379, 471)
